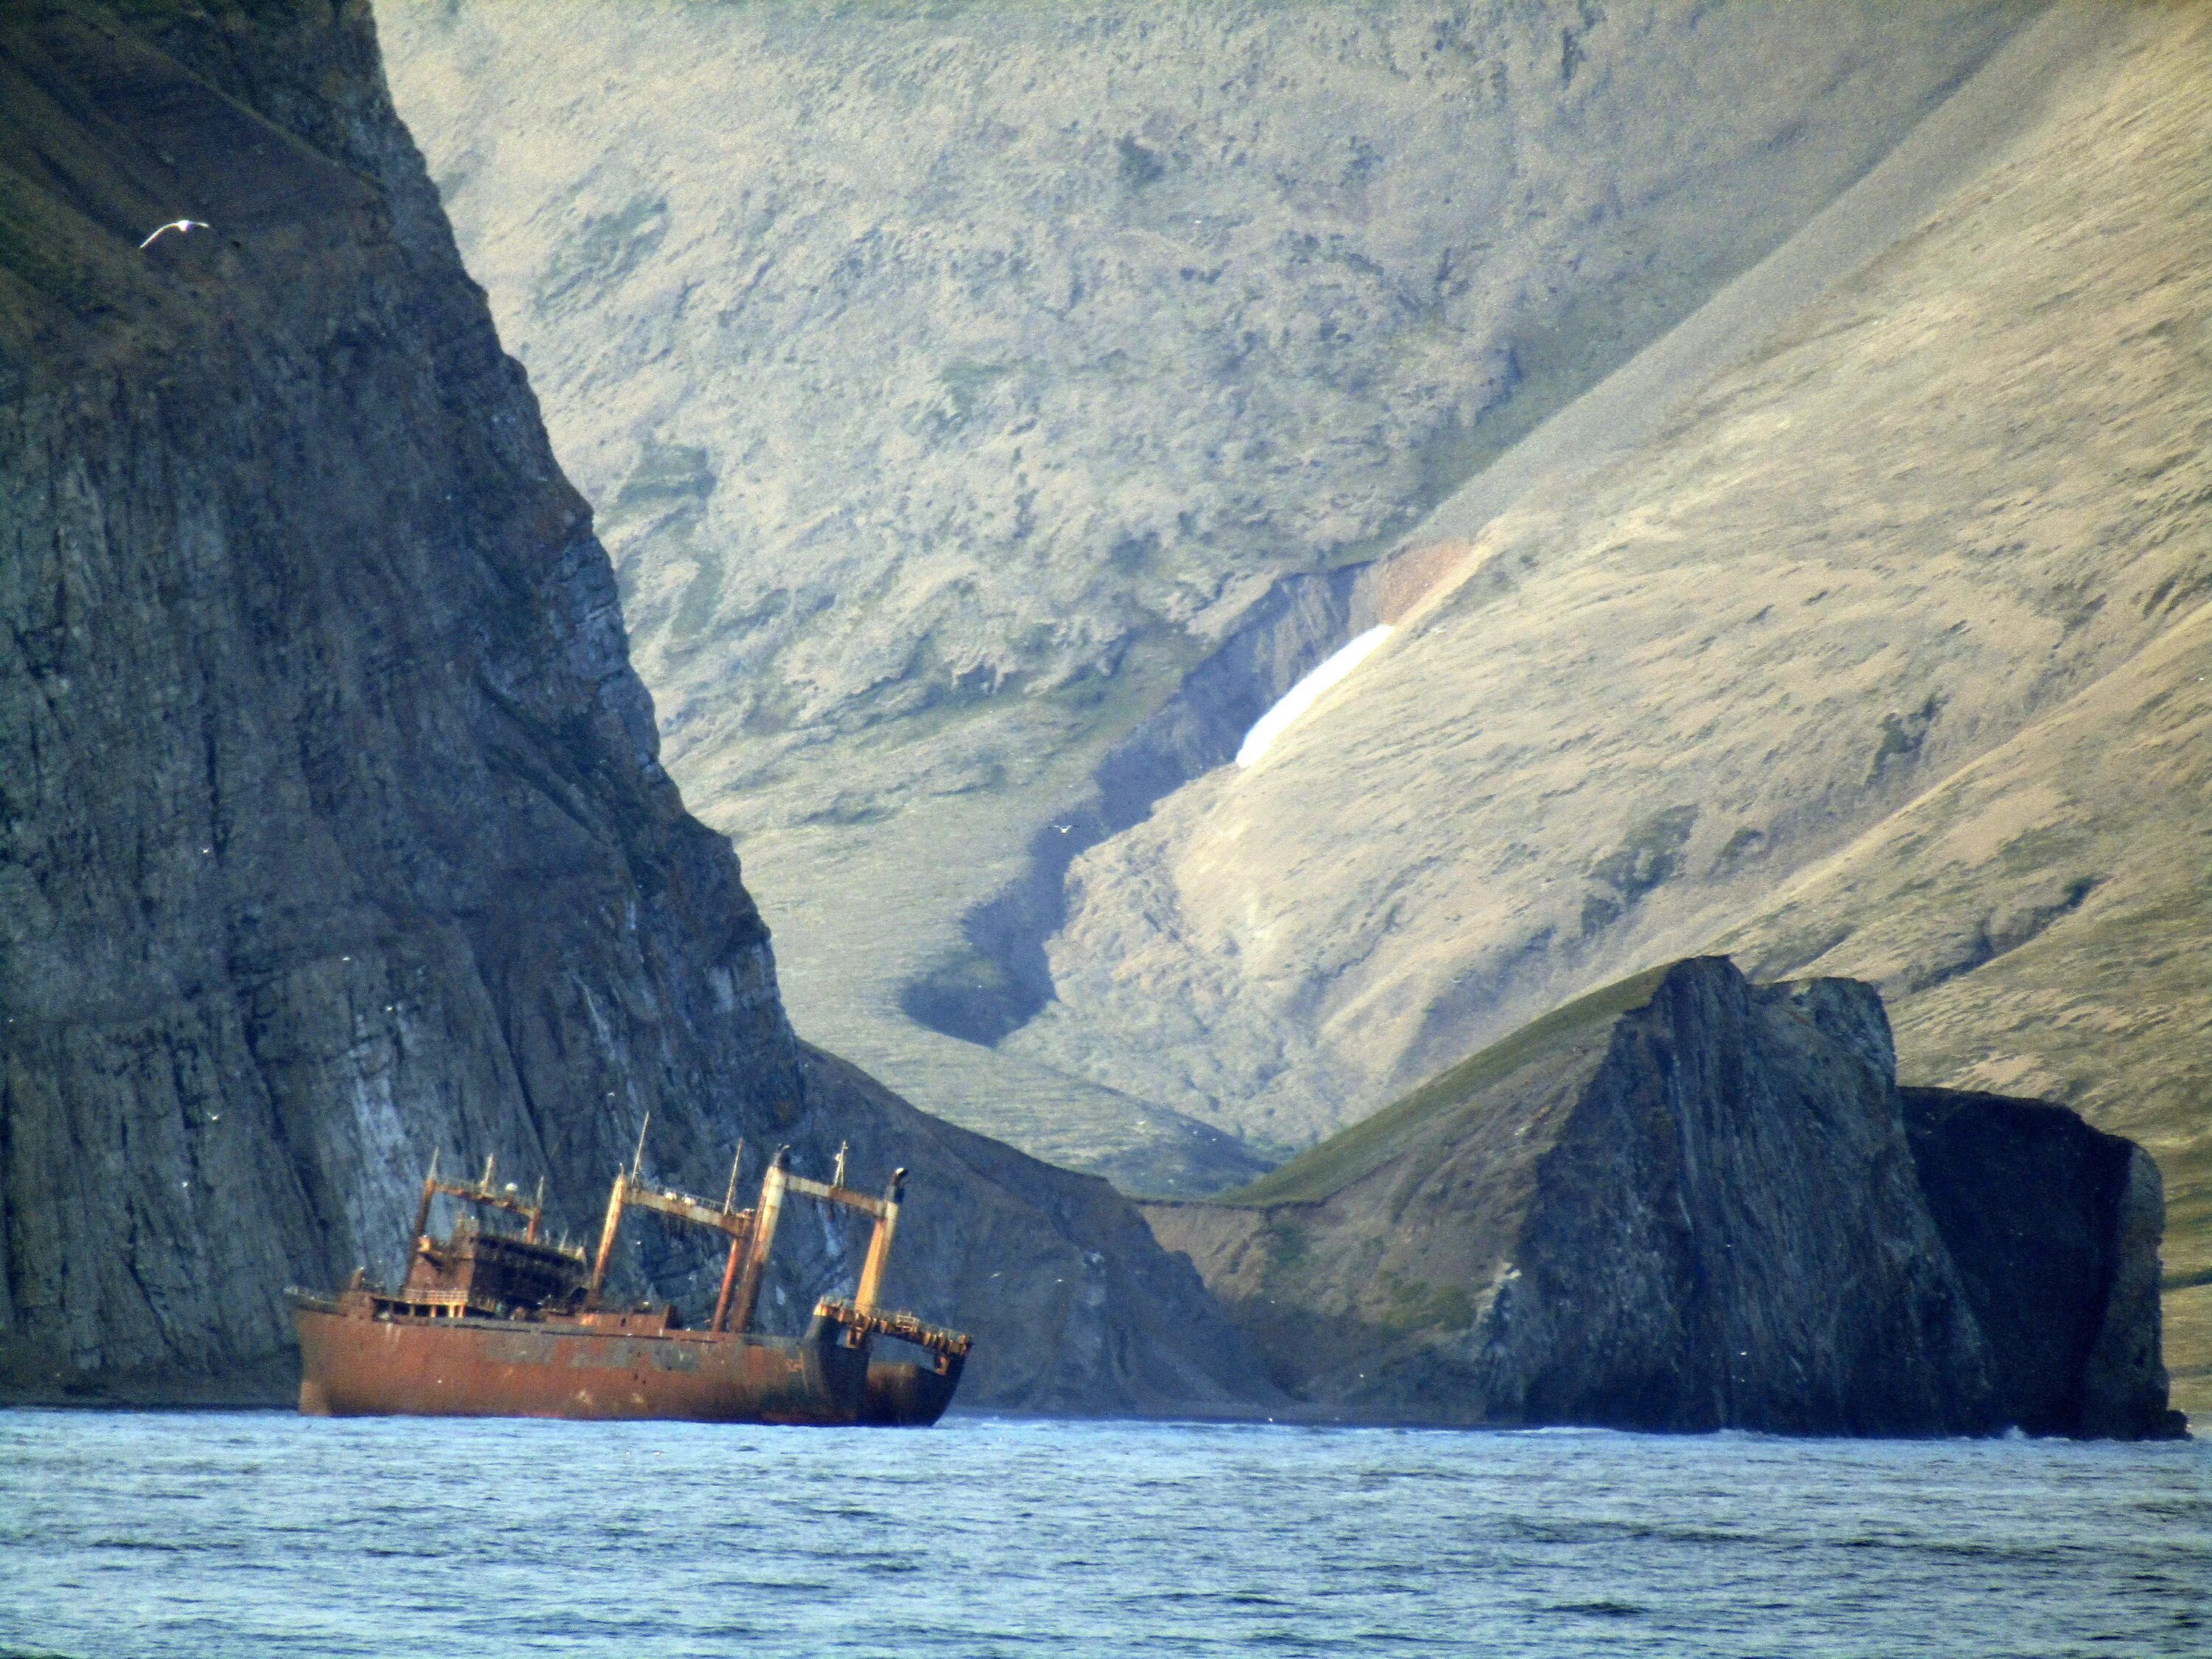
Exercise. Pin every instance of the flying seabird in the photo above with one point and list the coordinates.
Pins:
(182, 226)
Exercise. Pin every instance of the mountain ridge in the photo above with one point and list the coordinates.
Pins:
(1952, 517)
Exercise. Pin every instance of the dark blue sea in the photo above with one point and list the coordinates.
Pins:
(148, 1534)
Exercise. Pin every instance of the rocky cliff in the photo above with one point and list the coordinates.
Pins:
(331, 824)
(2054, 1230)
(1691, 1202)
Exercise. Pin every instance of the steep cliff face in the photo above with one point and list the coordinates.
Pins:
(2054, 1230)
(331, 824)
(1689, 1202)
(980, 368)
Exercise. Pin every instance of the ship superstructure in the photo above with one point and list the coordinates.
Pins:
(491, 1323)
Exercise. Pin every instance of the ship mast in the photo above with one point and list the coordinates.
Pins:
(483, 1193)
(751, 1232)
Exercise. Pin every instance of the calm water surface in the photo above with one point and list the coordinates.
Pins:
(152, 1534)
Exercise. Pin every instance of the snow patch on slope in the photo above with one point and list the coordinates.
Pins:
(1307, 692)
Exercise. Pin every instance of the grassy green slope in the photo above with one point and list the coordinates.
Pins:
(1366, 1146)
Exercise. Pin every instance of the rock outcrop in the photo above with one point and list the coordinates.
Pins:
(2054, 1230)
(1689, 1202)
(331, 824)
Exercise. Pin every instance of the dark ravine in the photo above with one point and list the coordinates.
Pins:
(1001, 980)
(331, 824)
(1689, 1202)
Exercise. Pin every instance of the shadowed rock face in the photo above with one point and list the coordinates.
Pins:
(2054, 1230)
(1690, 1202)
(331, 824)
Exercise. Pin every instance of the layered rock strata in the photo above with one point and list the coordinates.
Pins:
(1689, 1202)
(331, 824)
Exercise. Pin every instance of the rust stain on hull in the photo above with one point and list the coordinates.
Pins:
(355, 1364)
(489, 1324)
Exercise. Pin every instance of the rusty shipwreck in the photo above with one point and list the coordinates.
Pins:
(493, 1323)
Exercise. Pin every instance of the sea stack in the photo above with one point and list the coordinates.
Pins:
(1691, 1202)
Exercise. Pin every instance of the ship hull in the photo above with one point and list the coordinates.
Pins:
(902, 1395)
(356, 1366)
